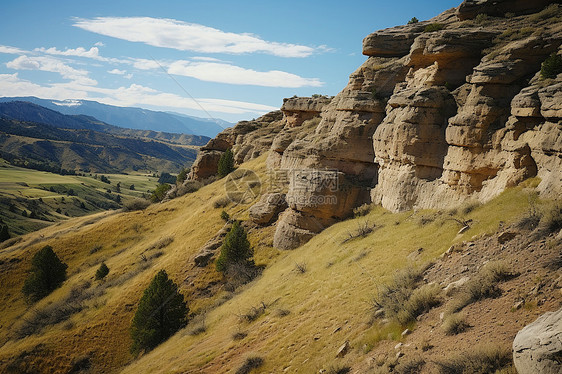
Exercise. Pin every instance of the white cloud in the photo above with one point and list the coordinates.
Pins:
(231, 74)
(145, 64)
(170, 33)
(133, 95)
(117, 72)
(51, 64)
(11, 50)
(99, 44)
(79, 52)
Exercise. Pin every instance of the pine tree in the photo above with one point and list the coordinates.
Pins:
(47, 273)
(102, 271)
(162, 311)
(4, 234)
(235, 249)
(226, 164)
(551, 67)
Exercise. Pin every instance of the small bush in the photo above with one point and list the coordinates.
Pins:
(250, 364)
(421, 301)
(300, 267)
(161, 243)
(363, 229)
(551, 221)
(160, 192)
(412, 365)
(340, 369)
(433, 27)
(221, 202)
(225, 216)
(362, 210)
(188, 187)
(254, 313)
(480, 360)
(455, 324)
(102, 271)
(413, 20)
(95, 249)
(136, 204)
(47, 273)
(402, 300)
(483, 286)
(481, 18)
(239, 335)
(551, 67)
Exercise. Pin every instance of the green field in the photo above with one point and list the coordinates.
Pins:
(31, 199)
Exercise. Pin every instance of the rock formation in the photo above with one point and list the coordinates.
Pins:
(537, 348)
(436, 115)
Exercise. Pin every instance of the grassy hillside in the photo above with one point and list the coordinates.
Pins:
(306, 304)
(53, 197)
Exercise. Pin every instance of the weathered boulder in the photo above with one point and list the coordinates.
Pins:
(537, 348)
(268, 208)
(205, 165)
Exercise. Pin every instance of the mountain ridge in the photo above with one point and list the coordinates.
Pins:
(131, 117)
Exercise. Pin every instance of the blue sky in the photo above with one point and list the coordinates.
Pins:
(228, 59)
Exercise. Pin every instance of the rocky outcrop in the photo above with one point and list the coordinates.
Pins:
(299, 109)
(268, 208)
(537, 348)
(247, 139)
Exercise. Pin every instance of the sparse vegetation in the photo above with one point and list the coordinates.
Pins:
(550, 11)
(102, 271)
(484, 285)
(363, 229)
(432, 27)
(403, 300)
(47, 274)
(161, 312)
(413, 20)
(300, 267)
(455, 323)
(486, 359)
(226, 164)
(254, 313)
(221, 202)
(482, 19)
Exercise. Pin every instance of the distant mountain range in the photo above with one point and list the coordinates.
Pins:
(132, 118)
(41, 138)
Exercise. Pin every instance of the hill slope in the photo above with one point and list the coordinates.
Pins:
(303, 323)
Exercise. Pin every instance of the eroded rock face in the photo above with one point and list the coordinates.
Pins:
(268, 208)
(428, 121)
(299, 109)
(537, 348)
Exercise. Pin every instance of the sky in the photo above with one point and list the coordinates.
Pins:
(232, 60)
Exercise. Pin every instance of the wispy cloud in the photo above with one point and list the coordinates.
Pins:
(11, 50)
(117, 72)
(231, 74)
(133, 95)
(50, 64)
(170, 33)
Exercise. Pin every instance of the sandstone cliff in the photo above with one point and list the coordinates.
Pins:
(441, 111)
